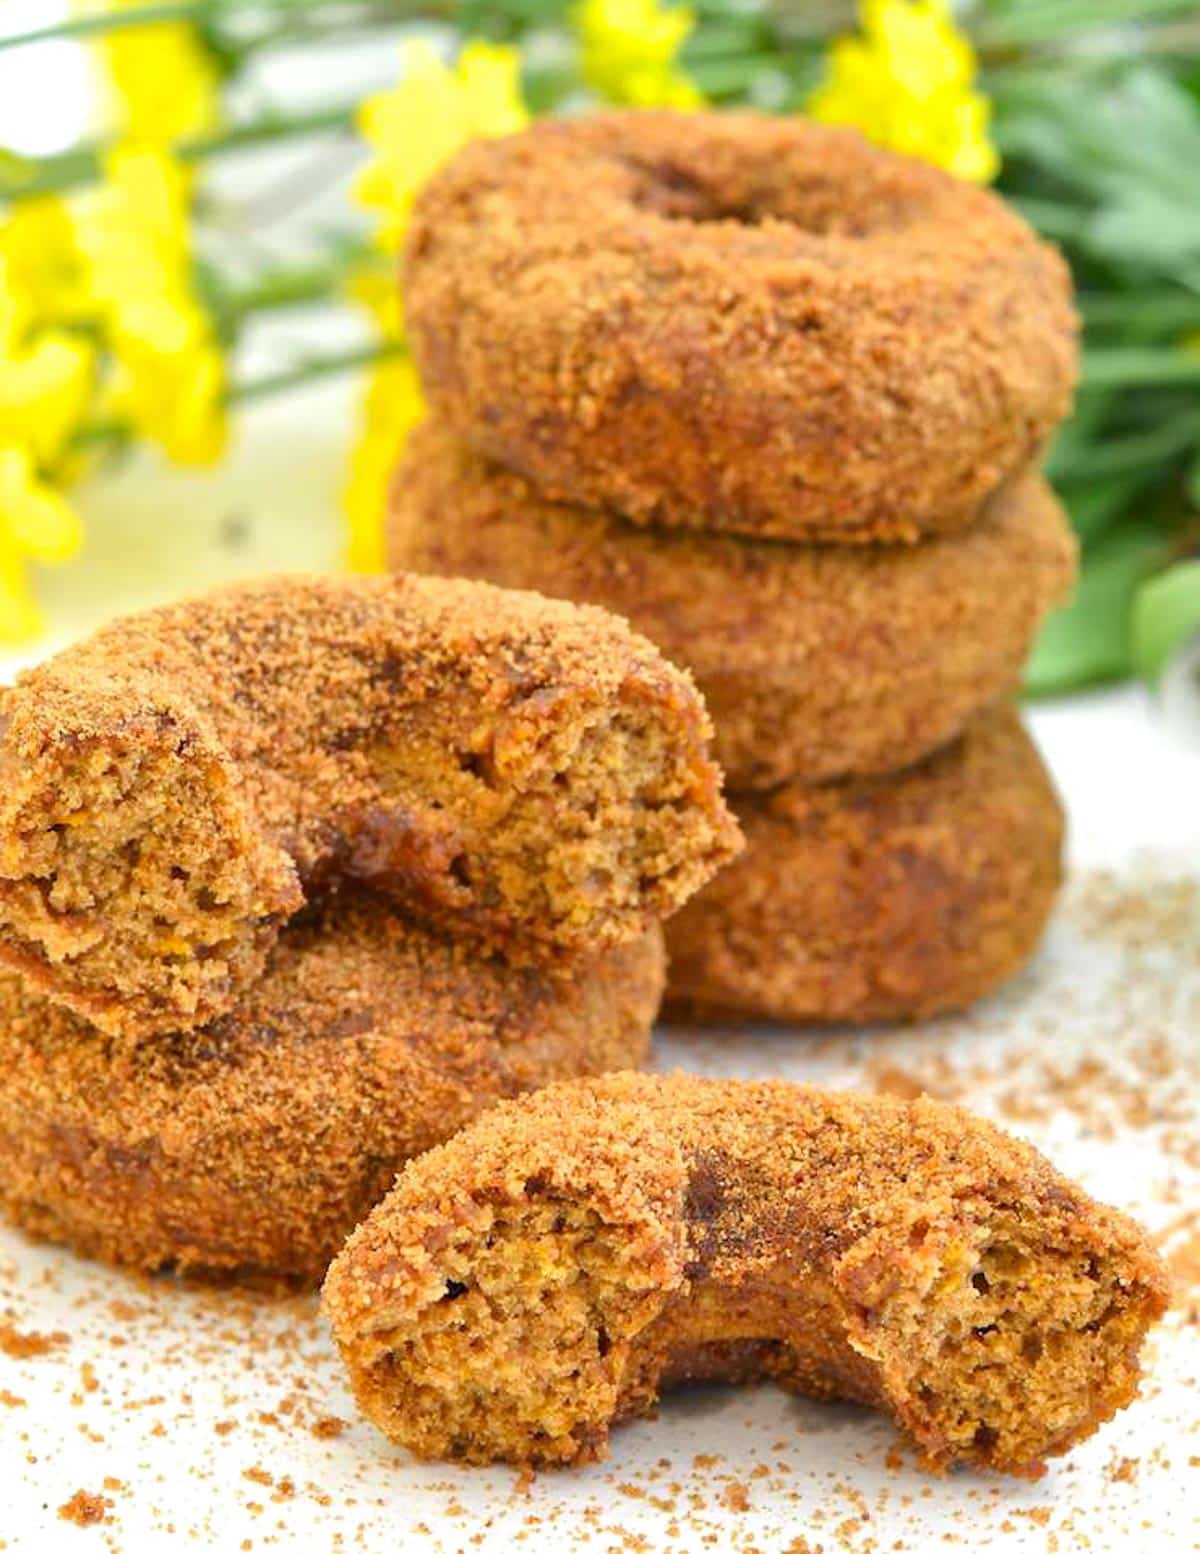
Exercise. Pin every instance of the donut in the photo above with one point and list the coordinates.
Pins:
(254, 1145)
(879, 898)
(558, 1264)
(730, 321)
(815, 661)
(521, 770)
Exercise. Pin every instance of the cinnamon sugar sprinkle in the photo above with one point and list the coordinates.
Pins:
(218, 1418)
(84, 1509)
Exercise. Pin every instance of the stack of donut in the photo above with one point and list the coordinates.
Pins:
(299, 876)
(777, 396)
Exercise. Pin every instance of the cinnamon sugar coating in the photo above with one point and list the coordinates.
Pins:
(519, 770)
(732, 321)
(551, 1269)
(879, 898)
(814, 661)
(255, 1144)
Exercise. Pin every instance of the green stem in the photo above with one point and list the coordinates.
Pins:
(1055, 19)
(198, 12)
(1170, 311)
(313, 369)
(719, 41)
(1121, 366)
(97, 433)
(108, 21)
(83, 165)
(1119, 455)
(728, 77)
(302, 22)
(288, 288)
(1052, 218)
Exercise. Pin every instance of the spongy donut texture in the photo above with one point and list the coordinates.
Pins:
(254, 1145)
(524, 772)
(815, 661)
(554, 1267)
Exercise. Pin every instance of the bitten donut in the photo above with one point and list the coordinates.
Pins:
(518, 769)
(257, 1143)
(815, 661)
(884, 898)
(553, 1268)
(730, 321)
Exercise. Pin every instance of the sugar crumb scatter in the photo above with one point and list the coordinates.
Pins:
(1090, 1054)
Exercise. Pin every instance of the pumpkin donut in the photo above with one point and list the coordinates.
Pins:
(518, 769)
(882, 898)
(815, 661)
(554, 1267)
(257, 1143)
(730, 321)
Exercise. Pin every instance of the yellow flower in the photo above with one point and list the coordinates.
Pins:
(165, 82)
(423, 120)
(37, 523)
(133, 229)
(373, 286)
(45, 375)
(45, 386)
(630, 51)
(908, 83)
(170, 378)
(392, 406)
(174, 397)
(414, 128)
(44, 391)
(38, 248)
(36, 519)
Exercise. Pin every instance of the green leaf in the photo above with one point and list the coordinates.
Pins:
(1166, 612)
(1120, 154)
(1088, 642)
(1096, 505)
(15, 172)
(1120, 366)
(1192, 484)
(1092, 453)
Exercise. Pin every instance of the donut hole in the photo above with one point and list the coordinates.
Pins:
(756, 197)
(678, 195)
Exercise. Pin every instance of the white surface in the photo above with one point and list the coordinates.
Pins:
(202, 1404)
(46, 89)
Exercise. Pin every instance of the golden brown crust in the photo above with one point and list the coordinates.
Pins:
(879, 898)
(815, 661)
(548, 1270)
(257, 1143)
(521, 770)
(731, 321)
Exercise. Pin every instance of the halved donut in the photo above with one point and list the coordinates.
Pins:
(815, 661)
(552, 1268)
(729, 321)
(255, 1144)
(523, 771)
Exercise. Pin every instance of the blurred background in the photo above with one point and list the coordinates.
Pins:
(202, 363)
